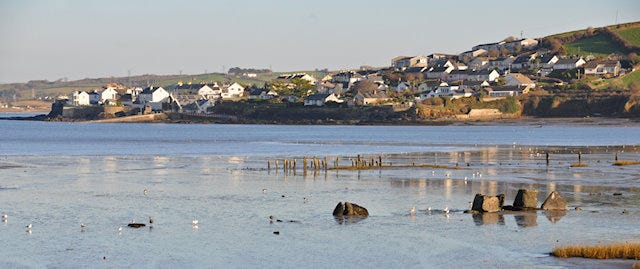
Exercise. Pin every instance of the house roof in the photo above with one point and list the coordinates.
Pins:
(414, 70)
(546, 58)
(438, 69)
(149, 90)
(607, 63)
(567, 61)
(317, 97)
(522, 79)
(377, 95)
(522, 59)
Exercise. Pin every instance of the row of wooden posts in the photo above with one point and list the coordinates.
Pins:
(317, 164)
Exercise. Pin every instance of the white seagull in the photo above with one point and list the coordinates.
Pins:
(412, 211)
(119, 230)
(5, 218)
(82, 226)
(194, 222)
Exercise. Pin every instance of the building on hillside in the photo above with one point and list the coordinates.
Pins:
(517, 79)
(79, 98)
(371, 98)
(567, 64)
(320, 99)
(402, 62)
(602, 68)
(234, 90)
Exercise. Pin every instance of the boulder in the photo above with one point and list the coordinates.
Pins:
(346, 209)
(136, 225)
(526, 199)
(485, 203)
(554, 202)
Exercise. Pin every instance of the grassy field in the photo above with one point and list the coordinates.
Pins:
(631, 77)
(631, 34)
(598, 46)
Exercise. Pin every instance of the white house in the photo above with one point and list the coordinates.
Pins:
(153, 95)
(320, 99)
(504, 91)
(478, 62)
(79, 98)
(108, 93)
(566, 64)
(603, 68)
(516, 79)
(440, 72)
(371, 98)
(234, 90)
(199, 106)
(303, 76)
(546, 61)
(472, 53)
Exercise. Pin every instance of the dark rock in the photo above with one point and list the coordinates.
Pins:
(136, 225)
(276, 232)
(617, 193)
(526, 199)
(485, 203)
(554, 202)
(349, 209)
(501, 199)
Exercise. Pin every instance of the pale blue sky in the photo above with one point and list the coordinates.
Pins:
(84, 38)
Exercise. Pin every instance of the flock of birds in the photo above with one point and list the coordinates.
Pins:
(194, 223)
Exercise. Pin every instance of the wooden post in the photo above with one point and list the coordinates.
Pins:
(579, 157)
(294, 164)
(548, 158)
(268, 165)
(380, 160)
(276, 165)
(616, 156)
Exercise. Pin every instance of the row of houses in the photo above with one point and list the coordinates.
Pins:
(182, 97)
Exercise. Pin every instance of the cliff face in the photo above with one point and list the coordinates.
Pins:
(581, 106)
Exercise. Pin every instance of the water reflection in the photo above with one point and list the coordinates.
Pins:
(555, 215)
(488, 218)
(526, 219)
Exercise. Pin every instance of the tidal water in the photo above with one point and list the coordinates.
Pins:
(56, 176)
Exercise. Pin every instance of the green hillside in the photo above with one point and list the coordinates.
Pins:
(631, 34)
(598, 45)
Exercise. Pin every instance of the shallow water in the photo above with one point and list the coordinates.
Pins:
(233, 195)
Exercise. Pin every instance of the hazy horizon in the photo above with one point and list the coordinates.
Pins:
(90, 39)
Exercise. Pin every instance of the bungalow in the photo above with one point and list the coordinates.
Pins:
(474, 85)
(443, 90)
(516, 79)
(371, 98)
(261, 93)
(199, 106)
(490, 46)
(438, 72)
(504, 91)
(501, 63)
(203, 90)
(522, 62)
(478, 75)
(320, 99)
(566, 64)
(79, 98)
(525, 43)
(402, 62)
(546, 61)
(234, 90)
(347, 77)
(603, 68)
(303, 76)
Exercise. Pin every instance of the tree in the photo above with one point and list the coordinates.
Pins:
(302, 87)
(509, 39)
(590, 31)
(365, 86)
(504, 52)
(493, 53)
(518, 48)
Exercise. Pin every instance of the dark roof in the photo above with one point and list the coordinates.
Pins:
(414, 70)
(318, 96)
(522, 59)
(438, 69)
(546, 58)
(567, 61)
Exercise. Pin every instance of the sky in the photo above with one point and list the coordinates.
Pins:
(75, 39)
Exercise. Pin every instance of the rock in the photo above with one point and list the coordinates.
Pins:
(136, 225)
(347, 209)
(526, 199)
(554, 202)
(485, 203)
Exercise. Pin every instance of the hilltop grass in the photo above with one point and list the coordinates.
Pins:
(599, 45)
(631, 34)
(631, 77)
(613, 251)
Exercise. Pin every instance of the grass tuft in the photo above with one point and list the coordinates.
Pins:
(613, 251)
(579, 165)
(623, 163)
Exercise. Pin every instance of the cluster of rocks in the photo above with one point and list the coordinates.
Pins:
(525, 200)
